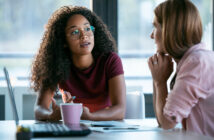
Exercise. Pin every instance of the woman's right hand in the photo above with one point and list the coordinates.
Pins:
(66, 96)
(161, 67)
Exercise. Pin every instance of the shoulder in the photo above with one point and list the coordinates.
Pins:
(200, 58)
(110, 56)
(197, 67)
(113, 58)
(113, 55)
(196, 54)
(110, 60)
(113, 65)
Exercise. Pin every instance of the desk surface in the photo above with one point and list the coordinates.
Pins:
(8, 128)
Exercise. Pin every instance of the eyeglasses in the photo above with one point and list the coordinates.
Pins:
(76, 33)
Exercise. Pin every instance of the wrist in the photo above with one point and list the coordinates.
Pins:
(160, 83)
(91, 116)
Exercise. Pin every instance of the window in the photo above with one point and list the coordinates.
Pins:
(135, 46)
(22, 26)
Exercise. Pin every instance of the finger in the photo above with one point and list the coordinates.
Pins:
(68, 97)
(64, 98)
(155, 59)
(85, 110)
(69, 100)
(62, 91)
(150, 64)
(161, 53)
(53, 103)
(169, 58)
(160, 58)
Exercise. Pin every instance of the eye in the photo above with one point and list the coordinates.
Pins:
(87, 29)
(75, 32)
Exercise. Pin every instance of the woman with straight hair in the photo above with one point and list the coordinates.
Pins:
(78, 55)
(177, 34)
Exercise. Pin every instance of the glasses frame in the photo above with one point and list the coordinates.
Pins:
(81, 33)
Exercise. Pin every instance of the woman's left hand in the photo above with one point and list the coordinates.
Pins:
(86, 114)
(161, 67)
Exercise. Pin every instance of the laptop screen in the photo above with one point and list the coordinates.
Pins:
(11, 95)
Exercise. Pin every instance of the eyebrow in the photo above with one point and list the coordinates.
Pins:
(68, 28)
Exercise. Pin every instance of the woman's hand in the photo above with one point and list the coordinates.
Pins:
(86, 114)
(55, 114)
(42, 108)
(66, 96)
(161, 67)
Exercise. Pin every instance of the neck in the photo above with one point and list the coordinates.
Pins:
(176, 60)
(82, 62)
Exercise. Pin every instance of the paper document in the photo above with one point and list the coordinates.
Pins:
(116, 126)
(106, 123)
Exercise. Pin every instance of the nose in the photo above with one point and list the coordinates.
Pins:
(152, 35)
(83, 35)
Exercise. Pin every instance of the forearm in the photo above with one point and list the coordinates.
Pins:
(41, 113)
(154, 103)
(117, 93)
(116, 112)
(161, 95)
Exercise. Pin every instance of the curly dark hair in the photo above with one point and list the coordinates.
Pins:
(53, 61)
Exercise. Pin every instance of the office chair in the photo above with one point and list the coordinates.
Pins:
(135, 105)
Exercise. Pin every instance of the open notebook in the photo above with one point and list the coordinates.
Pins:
(46, 129)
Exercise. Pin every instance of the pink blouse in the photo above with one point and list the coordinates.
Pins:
(192, 98)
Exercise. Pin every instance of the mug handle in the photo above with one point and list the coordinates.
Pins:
(81, 110)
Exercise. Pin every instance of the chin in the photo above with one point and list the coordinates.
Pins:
(160, 52)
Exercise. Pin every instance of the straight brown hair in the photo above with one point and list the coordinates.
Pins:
(181, 26)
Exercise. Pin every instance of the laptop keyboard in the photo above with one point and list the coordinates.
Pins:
(49, 127)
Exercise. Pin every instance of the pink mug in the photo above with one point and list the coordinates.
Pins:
(71, 112)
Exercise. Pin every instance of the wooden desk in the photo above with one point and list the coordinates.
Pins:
(7, 132)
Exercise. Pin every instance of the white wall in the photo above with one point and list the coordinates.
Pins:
(25, 100)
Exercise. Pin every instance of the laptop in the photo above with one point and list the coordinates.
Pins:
(46, 129)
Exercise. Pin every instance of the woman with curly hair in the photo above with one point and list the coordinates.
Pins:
(77, 55)
(178, 33)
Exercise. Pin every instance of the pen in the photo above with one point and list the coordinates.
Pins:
(72, 98)
(66, 96)
(102, 125)
(120, 128)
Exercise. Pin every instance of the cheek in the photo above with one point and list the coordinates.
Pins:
(157, 36)
(72, 45)
(70, 42)
(92, 40)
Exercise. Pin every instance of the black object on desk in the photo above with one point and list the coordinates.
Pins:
(102, 125)
(120, 128)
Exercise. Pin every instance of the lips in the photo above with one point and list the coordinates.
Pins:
(85, 44)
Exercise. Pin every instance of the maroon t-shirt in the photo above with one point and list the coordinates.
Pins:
(90, 86)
